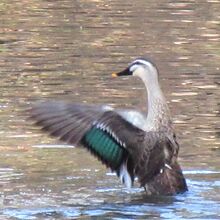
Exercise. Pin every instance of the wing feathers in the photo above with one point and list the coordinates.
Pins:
(79, 125)
(67, 121)
(120, 145)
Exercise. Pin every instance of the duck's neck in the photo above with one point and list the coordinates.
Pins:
(158, 112)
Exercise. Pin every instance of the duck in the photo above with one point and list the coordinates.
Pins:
(135, 145)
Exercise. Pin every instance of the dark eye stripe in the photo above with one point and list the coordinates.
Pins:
(142, 61)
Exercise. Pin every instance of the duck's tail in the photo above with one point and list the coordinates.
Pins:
(169, 181)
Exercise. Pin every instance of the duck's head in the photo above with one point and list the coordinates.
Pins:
(142, 68)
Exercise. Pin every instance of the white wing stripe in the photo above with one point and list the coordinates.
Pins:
(124, 176)
(103, 127)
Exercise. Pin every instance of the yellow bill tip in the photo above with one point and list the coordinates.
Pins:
(114, 75)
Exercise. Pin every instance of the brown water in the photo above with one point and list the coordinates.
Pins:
(66, 50)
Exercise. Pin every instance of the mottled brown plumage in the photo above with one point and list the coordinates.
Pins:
(128, 142)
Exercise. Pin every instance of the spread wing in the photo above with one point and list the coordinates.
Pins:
(120, 145)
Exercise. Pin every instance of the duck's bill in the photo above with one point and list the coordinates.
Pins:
(125, 72)
(114, 74)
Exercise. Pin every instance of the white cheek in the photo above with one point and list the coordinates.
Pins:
(139, 72)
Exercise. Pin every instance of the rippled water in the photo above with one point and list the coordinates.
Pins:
(67, 50)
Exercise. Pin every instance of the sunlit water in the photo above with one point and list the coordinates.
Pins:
(66, 50)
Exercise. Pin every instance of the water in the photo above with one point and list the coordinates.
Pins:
(67, 50)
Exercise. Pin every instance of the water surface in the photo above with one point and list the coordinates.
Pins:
(66, 50)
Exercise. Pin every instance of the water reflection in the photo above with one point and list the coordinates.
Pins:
(67, 50)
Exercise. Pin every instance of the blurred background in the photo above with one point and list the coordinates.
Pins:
(67, 50)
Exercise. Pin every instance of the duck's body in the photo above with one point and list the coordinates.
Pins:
(127, 141)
